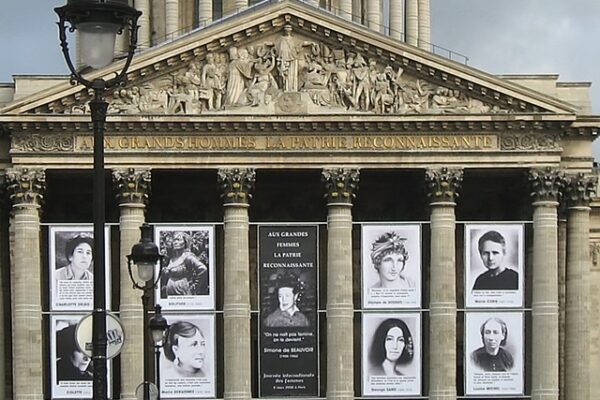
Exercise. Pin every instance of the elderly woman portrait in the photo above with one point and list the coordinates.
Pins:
(184, 274)
(78, 251)
(492, 356)
(185, 348)
(71, 364)
(288, 289)
(389, 256)
(391, 349)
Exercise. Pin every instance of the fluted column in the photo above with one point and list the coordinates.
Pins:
(595, 317)
(374, 15)
(443, 185)
(578, 193)
(562, 295)
(412, 22)
(340, 186)
(144, 23)
(546, 186)
(236, 187)
(234, 6)
(424, 14)
(132, 188)
(314, 3)
(397, 19)
(5, 299)
(205, 12)
(171, 18)
(345, 10)
(26, 188)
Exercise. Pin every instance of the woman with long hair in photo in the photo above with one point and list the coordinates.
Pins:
(184, 269)
(391, 349)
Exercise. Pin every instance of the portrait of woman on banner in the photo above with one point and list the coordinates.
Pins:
(391, 269)
(184, 273)
(288, 290)
(493, 353)
(392, 348)
(71, 363)
(187, 362)
(79, 253)
(391, 354)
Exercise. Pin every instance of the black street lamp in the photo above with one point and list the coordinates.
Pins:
(144, 256)
(159, 328)
(98, 22)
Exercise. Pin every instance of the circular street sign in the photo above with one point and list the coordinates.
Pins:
(152, 391)
(115, 335)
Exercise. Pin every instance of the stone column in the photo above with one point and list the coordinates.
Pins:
(236, 187)
(144, 23)
(562, 295)
(132, 188)
(345, 10)
(443, 185)
(26, 188)
(412, 22)
(340, 185)
(595, 317)
(205, 12)
(546, 185)
(374, 15)
(424, 25)
(397, 19)
(578, 193)
(171, 18)
(314, 3)
(233, 6)
(5, 298)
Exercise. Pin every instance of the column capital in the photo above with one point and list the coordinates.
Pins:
(132, 185)
(443, 184)
(26, 185)
(340, 184)
(546, 184)
(236, 184)
(579, 189)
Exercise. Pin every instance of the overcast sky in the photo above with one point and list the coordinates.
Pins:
(498, 36)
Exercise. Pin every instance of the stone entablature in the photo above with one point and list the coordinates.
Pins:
(288, 142)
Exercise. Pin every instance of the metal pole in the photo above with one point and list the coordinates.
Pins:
(146, 302)
(157, 366)
(98, 108)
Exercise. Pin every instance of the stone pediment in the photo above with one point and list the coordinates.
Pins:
(289, 58)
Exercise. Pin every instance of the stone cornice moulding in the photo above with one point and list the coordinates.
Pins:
(81, 124)
(317, 25)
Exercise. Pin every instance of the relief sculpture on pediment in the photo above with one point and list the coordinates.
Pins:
(287, 74)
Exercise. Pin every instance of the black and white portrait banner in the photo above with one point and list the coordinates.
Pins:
(71, 267)
(494, 265)
(71, 372)
(288, 263)
(494, 353)
(391, 266)
(187, 281)
(391, 354)
(187, 361)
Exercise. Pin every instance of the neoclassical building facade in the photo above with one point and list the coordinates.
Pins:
(289, 116)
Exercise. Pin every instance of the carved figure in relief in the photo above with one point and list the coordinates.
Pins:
(240, 72)
(362, 83)
(263, 85)
(289, 57)
(384, 97)
(212, 87)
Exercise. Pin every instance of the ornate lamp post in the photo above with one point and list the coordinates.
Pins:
(144, 256)
(159, 328)
(98, 22)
